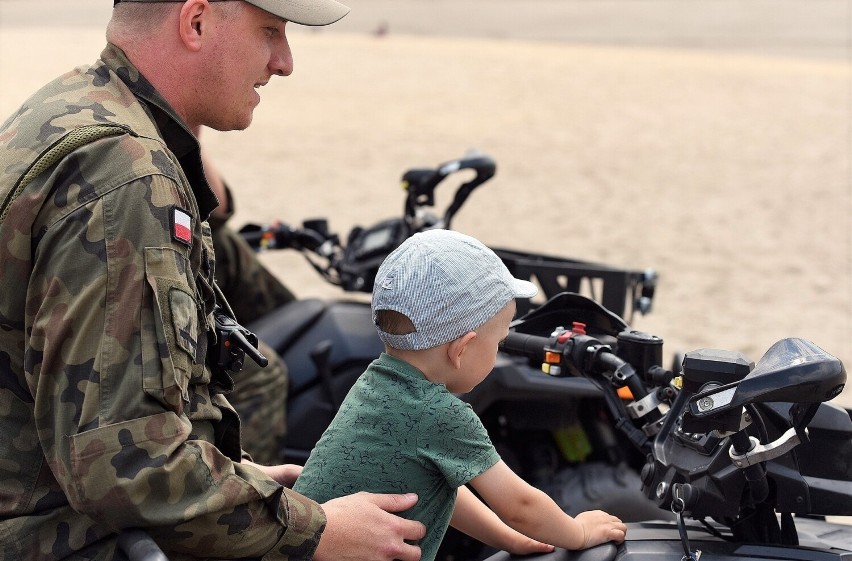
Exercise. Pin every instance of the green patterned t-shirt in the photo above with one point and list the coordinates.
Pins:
(397, 432)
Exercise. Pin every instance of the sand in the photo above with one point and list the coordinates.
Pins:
(714, 147)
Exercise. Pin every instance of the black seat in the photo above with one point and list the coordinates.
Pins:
(279, 328)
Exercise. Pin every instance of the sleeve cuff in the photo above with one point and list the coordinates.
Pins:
(305, 524)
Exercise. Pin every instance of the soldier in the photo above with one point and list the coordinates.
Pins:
(110, 416)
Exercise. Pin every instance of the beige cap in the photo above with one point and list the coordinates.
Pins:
(303, 12)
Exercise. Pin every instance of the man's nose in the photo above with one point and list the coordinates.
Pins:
(281, 62)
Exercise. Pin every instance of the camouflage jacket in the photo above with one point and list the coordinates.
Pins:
(109, 417)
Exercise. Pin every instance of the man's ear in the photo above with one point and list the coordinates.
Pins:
(193, 15)
(457, 347)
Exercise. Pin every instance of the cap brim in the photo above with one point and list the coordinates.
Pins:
(304, 12)
(524, 289)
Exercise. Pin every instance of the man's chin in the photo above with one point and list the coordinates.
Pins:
(236, 125)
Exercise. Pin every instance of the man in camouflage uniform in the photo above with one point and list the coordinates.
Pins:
(110, 417)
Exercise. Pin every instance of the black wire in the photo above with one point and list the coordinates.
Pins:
(713, 530)
(758, 421)
(684, 539)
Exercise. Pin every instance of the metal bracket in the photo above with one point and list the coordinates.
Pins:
(760, 453)
(642, 407)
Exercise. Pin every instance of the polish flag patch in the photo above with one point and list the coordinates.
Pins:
(181, 226)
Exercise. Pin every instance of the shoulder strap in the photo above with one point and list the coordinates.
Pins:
(51, 156)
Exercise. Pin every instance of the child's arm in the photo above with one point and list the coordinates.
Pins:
(472, 517)
(533, 513)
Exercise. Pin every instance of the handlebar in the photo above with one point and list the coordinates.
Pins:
(419, 183)
(576, 353)
(354, 265)
(282, 236)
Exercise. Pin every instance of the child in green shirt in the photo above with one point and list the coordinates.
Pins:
(442, 302)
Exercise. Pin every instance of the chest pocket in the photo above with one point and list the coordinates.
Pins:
(171, 330)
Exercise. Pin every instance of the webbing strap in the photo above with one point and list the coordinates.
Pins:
(50, 157)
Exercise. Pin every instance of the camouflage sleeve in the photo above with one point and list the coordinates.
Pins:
(121, 412)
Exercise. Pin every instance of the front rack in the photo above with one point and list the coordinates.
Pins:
(621, 291)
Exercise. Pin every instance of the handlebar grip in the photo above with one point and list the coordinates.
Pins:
(252, 234)
(521, 344)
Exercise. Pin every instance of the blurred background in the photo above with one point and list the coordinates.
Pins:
(710, 141)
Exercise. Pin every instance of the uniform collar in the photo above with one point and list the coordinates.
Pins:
(174, 132)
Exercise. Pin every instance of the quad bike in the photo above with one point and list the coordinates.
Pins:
(749, 458)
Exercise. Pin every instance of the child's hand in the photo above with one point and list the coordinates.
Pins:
(522, 545)
(600, 527)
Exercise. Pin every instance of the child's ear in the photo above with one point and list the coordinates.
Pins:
(456, 348)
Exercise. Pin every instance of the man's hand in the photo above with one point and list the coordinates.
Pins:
(361, 527)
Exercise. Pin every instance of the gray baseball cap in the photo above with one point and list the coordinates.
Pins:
(447, 284)
(303, 12)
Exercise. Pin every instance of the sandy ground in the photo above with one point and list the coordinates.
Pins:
(711, 142)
